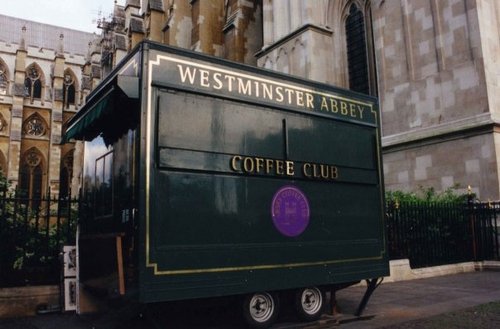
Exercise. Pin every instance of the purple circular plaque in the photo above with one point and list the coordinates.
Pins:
(290, 211)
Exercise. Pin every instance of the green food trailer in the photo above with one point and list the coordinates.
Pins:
(208, 178)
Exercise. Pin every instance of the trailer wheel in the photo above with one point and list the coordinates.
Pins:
(309, 303)
(260, 309)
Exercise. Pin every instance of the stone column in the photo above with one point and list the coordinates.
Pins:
(208, 23)
(14, 157)
(178, 25)
(56, 119)
(134, 28)
(95, 65)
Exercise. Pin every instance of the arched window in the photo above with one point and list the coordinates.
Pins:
(3, 124)
(33, 83)
(30, 177)
(357, 58)
(68, 89)
(4, 79)
(66, 174)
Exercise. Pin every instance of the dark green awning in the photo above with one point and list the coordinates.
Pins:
(86, 124)
(98, 115)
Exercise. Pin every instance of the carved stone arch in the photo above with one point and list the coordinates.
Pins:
(360, 4)
(34, 82)
(334, 13)
(39, 70)
(297, 44)
(367, 6)
(370, 44)
(357, 59)
(70, 72)
(339, 52)
(35, 126)
(34, 157)
(268, 63)
(70, 88)
(4, 77)
(4, 68)
(299, 59)
(283, 61)
(3, 124)
(338, 10)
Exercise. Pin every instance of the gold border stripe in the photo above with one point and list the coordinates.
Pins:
(253, 77)
(149, 263)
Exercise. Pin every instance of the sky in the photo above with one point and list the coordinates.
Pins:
(75, 14)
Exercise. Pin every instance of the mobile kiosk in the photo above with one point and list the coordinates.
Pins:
(207, 178)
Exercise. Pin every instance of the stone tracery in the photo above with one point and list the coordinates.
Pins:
(4, 79)
(33, 83)
(35, 126)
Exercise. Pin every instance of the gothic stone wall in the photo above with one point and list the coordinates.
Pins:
(489, 24)
(433, 92)
(464, 161)
(430, 63)
(16, 110)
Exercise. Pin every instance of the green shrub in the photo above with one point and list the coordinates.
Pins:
(25, 237)
(428, 195)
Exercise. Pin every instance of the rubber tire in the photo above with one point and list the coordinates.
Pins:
(309, 309)
(262, 318)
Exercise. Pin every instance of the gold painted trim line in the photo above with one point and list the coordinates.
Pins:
(260, 79)
(259, 267)
(148, 160)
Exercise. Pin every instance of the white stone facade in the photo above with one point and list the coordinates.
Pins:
(437, 79)
(434, 60)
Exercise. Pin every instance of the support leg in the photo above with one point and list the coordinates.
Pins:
(371, 285)
(334, 307)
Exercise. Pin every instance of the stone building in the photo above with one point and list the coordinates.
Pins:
(45, 73)
(438, 86)
(433, 65)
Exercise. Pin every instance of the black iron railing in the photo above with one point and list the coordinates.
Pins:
(437, 233)
(484, 220)
(32, 233)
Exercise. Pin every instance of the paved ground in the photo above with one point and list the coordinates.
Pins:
(398, 302)
(392, 303)
(484, 316)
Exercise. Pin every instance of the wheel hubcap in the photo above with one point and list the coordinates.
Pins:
(311, 300)
(261, 307)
